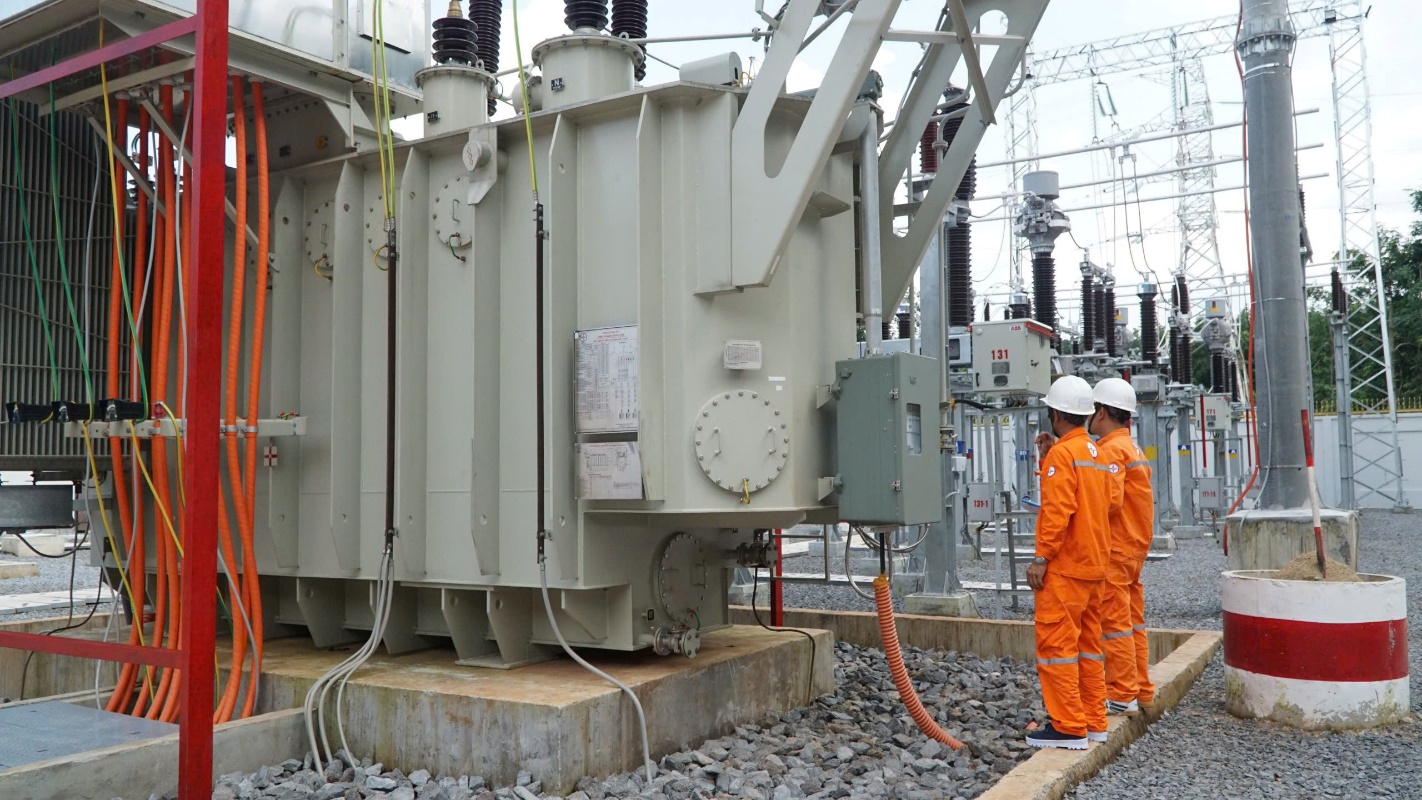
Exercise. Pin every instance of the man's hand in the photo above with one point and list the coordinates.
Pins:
(1037, 576)
(1044, 443)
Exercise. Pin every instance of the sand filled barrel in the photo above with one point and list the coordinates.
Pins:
(1315, 655)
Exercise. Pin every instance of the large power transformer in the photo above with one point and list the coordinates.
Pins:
(703, 249)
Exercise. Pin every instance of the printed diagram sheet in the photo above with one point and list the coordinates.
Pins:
(609, 471)
(607, 380)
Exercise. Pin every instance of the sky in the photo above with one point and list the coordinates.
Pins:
(1065, 121)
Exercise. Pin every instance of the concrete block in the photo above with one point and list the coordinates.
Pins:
(18, 569)
(1163, 541)
(50, 544)
(1272, 538)
(957, 604)
(554, 719)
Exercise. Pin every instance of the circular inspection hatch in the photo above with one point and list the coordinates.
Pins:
(742, 441)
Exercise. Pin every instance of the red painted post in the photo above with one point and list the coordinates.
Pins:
(201, 442)
(777, 588)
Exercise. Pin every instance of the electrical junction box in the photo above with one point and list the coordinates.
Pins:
(890, 472)
(1011, 357)
(982, 502)
(1212, 494)
(1147, 385)
(1216, 412)
(1216, 308)
(1123, 315)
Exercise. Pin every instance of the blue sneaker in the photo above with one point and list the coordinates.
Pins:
(1051, 737)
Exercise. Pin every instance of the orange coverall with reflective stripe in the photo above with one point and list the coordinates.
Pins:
(1073, 535)
(1123, 629)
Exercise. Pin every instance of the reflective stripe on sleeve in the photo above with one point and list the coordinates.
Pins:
(1094, 656)
(1056, 661)
(1117, 635)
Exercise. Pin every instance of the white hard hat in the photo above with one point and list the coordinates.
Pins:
(1071, 395)
(1115, 393)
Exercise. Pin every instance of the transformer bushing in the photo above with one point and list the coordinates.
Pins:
(1088, 307)
(1040, 222)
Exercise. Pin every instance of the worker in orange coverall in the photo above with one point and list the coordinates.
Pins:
(1123, 630)
(1073, 542)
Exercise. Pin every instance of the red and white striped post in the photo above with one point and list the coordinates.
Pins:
(1313, 494)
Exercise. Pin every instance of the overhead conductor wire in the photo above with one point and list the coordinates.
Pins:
(542, 532)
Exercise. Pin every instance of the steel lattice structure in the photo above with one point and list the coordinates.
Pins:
(1377, 461)
(1195, 211)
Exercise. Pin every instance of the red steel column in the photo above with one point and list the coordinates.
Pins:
(201, 442)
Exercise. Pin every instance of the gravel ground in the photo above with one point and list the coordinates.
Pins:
(856, 743)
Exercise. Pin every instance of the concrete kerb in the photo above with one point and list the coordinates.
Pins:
(1179, 658)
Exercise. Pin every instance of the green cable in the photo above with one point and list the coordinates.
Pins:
(30, 245)
(59, 248)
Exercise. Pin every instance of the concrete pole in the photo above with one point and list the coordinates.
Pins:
(1265, 45)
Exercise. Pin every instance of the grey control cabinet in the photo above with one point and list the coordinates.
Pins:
(890, 471)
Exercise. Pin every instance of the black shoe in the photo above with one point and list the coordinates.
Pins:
(1051, 737)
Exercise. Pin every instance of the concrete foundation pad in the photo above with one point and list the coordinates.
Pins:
(18, 569)
(957, 604)
(1190, 531)
(555, 719)
(1269, 539)
(1162, 542)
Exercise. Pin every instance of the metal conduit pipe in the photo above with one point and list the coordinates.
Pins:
(870, 246)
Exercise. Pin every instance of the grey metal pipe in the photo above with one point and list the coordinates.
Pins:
(871, 274)
(1343, 391)
(1265, 44)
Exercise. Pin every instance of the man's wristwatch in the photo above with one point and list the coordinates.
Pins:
(1039, 560)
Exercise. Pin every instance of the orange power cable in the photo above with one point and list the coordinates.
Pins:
(250, 578)
(234, 357)
(122, 699)
(889, 632)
